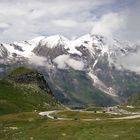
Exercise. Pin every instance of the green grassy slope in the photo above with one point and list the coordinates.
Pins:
(21, 71)
(24, 96)
(28, 126)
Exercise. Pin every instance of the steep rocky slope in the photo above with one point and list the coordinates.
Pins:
(25, 90)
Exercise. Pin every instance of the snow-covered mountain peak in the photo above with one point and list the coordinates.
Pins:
(92, 43)
(86, 37)
(30, 44)
(22, 48)
(53, 41)
(36, 40)
(88, 45)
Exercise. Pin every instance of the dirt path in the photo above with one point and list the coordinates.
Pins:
(48, 114)
(127, 117)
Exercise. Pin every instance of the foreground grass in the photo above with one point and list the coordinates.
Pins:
(17, 97)
(26, 126)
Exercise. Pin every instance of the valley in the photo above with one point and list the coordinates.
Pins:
(69, 69)
(30, 111)
(76, 126)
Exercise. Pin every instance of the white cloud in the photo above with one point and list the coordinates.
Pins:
(77, 65)
(4, 25)
(131, 61)
(26, 19)
(132, 19)
(37, 60)
(65, 23)
(108, 25)
(63, 61)
(60, 61)
(30, 18)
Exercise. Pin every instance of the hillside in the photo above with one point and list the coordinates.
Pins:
(134, 100)
(25, 90)
(79, 89)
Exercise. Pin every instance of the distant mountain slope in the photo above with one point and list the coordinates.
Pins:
(134, 100)
(75, 89)
(25, 90)
(92, 62)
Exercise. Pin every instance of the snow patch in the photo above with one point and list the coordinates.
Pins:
(71, 46)
(53, 41)
(26, 46)
(36, 40)
(100, 85)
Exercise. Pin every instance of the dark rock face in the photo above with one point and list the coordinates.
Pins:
(33, 77)
(3, 52)
(16, 47)
(50, 53)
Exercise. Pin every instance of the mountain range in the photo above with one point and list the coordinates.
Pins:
(81, 72)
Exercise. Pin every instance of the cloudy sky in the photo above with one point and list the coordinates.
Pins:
(26, 19)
